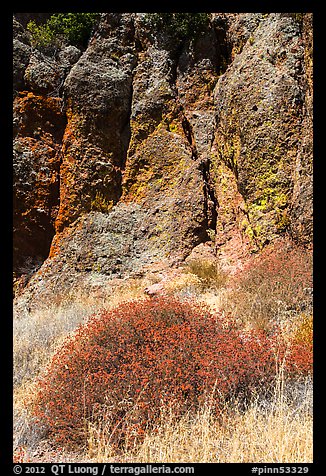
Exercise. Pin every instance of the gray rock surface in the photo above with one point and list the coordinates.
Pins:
(21, 55)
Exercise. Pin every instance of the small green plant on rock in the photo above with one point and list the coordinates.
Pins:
(73, 28)
(180, 25)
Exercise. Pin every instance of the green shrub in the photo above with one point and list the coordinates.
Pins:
(74, 28)
(180, 25)
(42, 35)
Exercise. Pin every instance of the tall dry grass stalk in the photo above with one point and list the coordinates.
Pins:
(38, 335)
(274, 431)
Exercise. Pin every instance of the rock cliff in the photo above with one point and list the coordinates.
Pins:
(134, 150)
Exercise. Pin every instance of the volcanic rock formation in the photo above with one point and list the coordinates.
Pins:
(130, 153)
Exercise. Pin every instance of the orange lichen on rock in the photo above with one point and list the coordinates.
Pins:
(37, 160)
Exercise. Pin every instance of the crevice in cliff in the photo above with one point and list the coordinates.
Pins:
(125, 134)
(188, 132)
(211, 202)
(223, 52)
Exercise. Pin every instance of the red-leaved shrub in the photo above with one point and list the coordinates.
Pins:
(20, 455)
(124, 363)
(274, 283)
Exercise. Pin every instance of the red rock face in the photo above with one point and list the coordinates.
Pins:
(142, 147)
(37, 157)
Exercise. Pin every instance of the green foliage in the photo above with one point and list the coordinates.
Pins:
(42, 35)
(180, 25)
(74, 28)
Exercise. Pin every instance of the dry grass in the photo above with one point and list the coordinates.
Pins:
(278, 431)
(38, 335)
(209, 273)
(275, 431)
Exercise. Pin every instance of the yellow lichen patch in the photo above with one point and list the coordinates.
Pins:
(101, 204)
(268, 209)
(175, 127)
(158, 165)
(141, 128)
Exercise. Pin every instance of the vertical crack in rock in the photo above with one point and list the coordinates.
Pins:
(188, 132)
(201, 110)
(126, 134)
(211, 203)
(185, 138)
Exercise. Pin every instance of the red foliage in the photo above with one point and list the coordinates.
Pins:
(20, 455)
(300, 358)
(277, 280)
(287, 270)
(129, 360)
